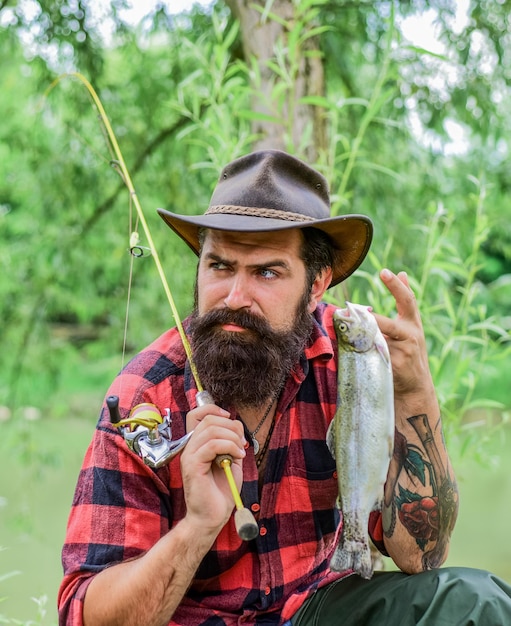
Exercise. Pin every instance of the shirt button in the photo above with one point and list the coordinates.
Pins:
(263, 531)
(267, 591)
(255, 507)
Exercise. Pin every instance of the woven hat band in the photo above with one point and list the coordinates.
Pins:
(259, 212)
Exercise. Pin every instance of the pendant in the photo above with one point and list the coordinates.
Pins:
(255, 443)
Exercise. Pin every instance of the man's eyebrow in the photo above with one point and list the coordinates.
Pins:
(272, 263)
(211, 256)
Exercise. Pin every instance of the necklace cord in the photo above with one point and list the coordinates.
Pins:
(263, 419)
(253, 433)
(264, 450)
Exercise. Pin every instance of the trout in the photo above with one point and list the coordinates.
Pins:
(361, 435)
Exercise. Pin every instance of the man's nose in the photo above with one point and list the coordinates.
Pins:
(239, 296)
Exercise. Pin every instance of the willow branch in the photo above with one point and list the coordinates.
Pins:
(109, 202)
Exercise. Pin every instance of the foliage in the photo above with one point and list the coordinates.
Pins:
(466, 343)
(179, 117)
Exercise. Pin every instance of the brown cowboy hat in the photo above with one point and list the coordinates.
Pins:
(272, 190)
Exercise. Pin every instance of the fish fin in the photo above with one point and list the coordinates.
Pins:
(364, 564)
(383, 350)
(353, 555)
(330, 438)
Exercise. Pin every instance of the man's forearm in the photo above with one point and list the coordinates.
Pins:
(146, 591)
(421, 497)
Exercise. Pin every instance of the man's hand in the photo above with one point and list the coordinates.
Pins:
(406, 341)
(208, 497)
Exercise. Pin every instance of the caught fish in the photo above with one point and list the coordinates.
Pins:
(361, 435)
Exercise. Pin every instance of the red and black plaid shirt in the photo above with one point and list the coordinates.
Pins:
(121, 507)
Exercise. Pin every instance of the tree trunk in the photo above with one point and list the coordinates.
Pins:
(301, 127)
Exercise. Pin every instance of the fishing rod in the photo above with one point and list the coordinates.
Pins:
(145, 430)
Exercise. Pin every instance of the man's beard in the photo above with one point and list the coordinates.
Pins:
(241, 369)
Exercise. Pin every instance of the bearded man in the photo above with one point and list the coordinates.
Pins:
(159, 546)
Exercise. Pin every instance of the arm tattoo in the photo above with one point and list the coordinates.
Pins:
(428, 514)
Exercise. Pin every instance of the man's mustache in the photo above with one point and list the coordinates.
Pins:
(244, 319)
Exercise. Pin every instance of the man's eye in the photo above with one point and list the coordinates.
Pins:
(218, 265)
(267, 273)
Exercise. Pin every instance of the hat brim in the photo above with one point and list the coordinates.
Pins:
(351, 235)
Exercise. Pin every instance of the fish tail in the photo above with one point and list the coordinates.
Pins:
(355, 556)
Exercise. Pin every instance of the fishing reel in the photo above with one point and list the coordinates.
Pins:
(147, 433)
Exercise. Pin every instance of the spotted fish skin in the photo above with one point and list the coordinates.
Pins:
(361, 435)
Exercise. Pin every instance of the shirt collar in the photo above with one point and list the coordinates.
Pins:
(320, 344)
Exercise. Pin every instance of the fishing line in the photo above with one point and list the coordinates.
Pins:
(136, 251)
(128, 295)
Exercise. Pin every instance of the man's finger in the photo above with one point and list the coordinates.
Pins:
(389, 327)
(399, 287)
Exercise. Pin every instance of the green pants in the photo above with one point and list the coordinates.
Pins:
(451, 596)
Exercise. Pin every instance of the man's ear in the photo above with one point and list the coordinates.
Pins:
(319, 286)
